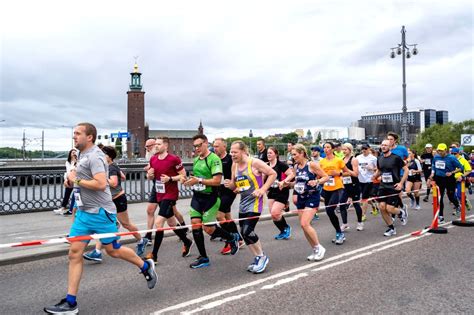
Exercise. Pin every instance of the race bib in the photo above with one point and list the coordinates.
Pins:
(199, 187)
(331, 182)
(160, 187)
(387, 178)
(427, 161)
(363, 166)
(275, 184)
(347, 180)
(440, 165)
(410, 173)
(242, 183)
(299, 187)
(77, 197)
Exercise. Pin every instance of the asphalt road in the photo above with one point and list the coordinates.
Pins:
(368, 274)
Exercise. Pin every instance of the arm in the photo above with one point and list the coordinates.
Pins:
(230, 183)
(113, 181)
(289, 177)
(99, 181)
(316, 169)
(399, 185)
(265, 169)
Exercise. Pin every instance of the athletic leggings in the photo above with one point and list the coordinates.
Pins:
(247, 227)
(331, 199)
(354, 193)
(447, 184)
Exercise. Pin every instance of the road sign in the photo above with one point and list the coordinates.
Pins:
(119, 135)
(467, 140)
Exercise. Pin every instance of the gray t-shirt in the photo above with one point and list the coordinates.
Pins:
(90, 163)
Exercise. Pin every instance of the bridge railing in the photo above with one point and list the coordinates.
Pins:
(43, 189)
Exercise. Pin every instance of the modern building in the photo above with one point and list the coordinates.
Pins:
(181, 142)
(327, 133)
(356, 133)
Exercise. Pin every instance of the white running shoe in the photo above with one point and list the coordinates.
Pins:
(390, 232)
(318, 253)
(417, 207)
(60, 211)
(360, 226)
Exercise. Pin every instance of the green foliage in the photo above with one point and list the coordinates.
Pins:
(13, 153)
(448, 133)
(290, 137)
(118, 147)
(318, 138)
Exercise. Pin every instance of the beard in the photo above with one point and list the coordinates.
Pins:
(149, 154)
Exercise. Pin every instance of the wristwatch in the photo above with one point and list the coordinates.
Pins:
(77, 181)
(200, 180)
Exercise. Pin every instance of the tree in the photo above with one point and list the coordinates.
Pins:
(318, 138)
(118, 147)
(447, 133)
(290, 137)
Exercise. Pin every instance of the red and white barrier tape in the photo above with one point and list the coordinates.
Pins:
(108, 235)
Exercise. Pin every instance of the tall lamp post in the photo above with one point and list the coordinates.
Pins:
(250, 141)
(72, 134)
(404, 49)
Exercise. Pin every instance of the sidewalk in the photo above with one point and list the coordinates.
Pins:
(47, 225)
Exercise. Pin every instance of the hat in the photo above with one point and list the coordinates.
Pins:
(455, 150)
(316, 148)
(365, 146)
(442, 146)
(428, 145)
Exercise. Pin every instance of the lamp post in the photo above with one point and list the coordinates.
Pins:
(72, 134)
(250, 141)
(404, 50)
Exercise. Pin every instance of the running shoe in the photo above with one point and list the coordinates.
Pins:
(93, 255)
(226, 249)
(260, 264)
(63, 307)
(234, 244)
(280, 236)
(390, 232)
(375, 211)
(360, 226)
(468, 205)
(318, 253)
(441, 219)
(286, 233)
(340, 238)
(316, 217)
(67, 213)
(364, 218)
(417, 207)
(425, 199)
(150, 274)
(403, 216)
(141, 247)
(200, 262)
(60, 211)
(457, 211)
(187, 248)
(252, 265)
(345, 227)
(412, 203)
(148, 243)
(150, 256)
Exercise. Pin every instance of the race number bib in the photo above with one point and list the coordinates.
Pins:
(387, 178)
(77, 197)
(242, 183)
(160, 187)
(275, 184)
(410, 173)
(427, 161)
(199, 187)
(331, 182)
(363, 166)
(299, 187)
(441, 165)
(347, 180)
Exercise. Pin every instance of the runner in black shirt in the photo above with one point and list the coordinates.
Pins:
(426, 159)
(227, 196)
(388, 167)
(262, 150)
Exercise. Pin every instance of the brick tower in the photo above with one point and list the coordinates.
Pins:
(136, 116)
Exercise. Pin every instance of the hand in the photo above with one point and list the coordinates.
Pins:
(258, 193)
(282, 184)
(191, 181)
(165, 178)
(150, 173)
(68, 184)
(182, 179)
(398, 186)
(313, 183)
(448, 174)
(71, 176)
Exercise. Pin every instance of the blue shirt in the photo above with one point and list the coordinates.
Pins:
(442, 165)
(401, 151)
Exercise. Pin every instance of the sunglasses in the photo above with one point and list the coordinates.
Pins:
(198, 145)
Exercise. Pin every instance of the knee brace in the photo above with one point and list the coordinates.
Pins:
(249, 235)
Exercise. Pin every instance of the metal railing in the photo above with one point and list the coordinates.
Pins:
(41, 190)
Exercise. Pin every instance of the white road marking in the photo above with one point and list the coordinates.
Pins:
(218, 303)
(19, 233)
(283, 281)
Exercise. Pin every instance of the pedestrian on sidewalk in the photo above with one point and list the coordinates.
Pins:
(70, 165)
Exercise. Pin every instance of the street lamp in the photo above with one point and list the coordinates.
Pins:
(72, 134)
(250, 141)
(404, 49)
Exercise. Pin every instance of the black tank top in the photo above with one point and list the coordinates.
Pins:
(353, 180)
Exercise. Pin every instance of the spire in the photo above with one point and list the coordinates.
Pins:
(200, 128)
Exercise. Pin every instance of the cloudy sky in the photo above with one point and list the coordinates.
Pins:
(269, 66)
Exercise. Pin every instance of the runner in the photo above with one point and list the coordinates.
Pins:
(166, 170)
(279, 193)
(338, 150)
(96, 213)
(316, 153)
(402, 152)
(248, 177)
(262, 150)
(389, 166)
(443, 168)
(367, 167)
(308, 189)
(426, 159)
(120, 200)
(207, 175)
(414, 179)
(227, 196)
(333, 188)
(351, 188)
(459, 177)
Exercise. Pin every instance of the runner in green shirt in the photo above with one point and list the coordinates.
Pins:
(207, 176)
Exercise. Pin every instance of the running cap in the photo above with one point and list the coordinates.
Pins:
(365, 146)
(442, 146)
(316, 148)
(428, 145)
(455, 150)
